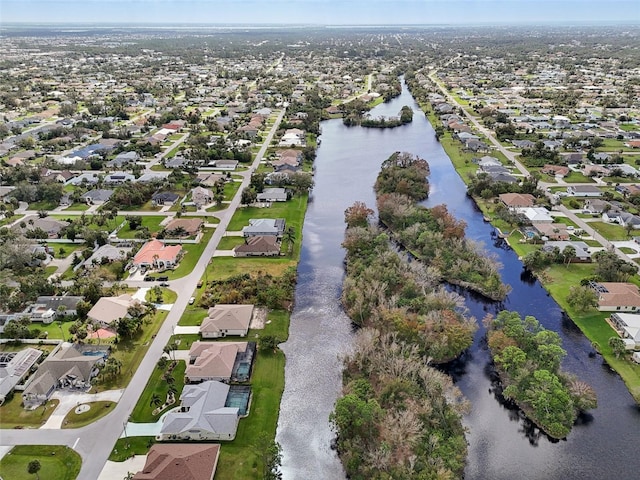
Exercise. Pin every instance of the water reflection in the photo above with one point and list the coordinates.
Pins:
(502, 443)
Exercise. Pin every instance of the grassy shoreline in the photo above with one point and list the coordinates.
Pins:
(555, 279)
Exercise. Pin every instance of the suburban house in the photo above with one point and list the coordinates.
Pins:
(535, 214)
(118, 178)
(623, 218)
(628, 327)
(190, 226)
(227, 165)
(49, 225)
(596, 205)
(97, 197)
(584, 191)
(155, 254)
(71, 367)
(264, 226)
(227, 320)
(15, 367)
(123, 159)
(106, 254)
(259, 246)
(293, 137)
(553, 231)
(517, 200)
(617, 296)
(581, 248)
(207, 179)
(202, 415)
(179, 461)
(273, 195)
(201, 196)
(47, 308)
(555, 170)
(215, 360)
(107, 310)
(164, 198)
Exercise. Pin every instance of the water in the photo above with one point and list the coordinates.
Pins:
(502, 445)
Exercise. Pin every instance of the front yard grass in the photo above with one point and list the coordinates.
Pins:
(610, 231)
(130, 352)
(12, 415)
(143, 411)
(56, 462)
(126, 447)
(97, 411)
(228, 243)
(192, 252)
(152, 222)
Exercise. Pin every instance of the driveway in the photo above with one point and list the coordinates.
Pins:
(70, 400)
(180, 330)
(117, 470)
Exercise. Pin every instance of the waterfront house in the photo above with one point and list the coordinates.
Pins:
(227, 320)
(214, 360)
(517, 200)
(179, 461)
(628, 327)
(258, 246)
(202, 415)
(264, 226)
(617, 296)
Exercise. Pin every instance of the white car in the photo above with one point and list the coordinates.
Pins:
(191, 300)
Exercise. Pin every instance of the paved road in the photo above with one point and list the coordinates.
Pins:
(95, 442)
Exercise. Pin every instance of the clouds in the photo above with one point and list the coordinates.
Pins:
(323, 11)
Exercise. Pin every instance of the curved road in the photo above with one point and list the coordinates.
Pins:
(95, 442)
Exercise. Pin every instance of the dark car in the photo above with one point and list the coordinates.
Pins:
(162, 279)
(149, 278)
(164, 284)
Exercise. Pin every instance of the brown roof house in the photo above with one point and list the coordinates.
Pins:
(109, 309)
(517, 200)
(213, 361)
(617, 297)
(179, 461)
(191, 226)
(260, 246)
(553, 231)
(227, 320)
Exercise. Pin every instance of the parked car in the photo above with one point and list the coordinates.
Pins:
(164, 284)
(200, 284)
(163, 279)
(149, 278)
(191, 300)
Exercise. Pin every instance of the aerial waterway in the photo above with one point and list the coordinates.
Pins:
(502, 444)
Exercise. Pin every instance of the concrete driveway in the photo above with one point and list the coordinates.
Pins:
(118, 470)
(70, 400)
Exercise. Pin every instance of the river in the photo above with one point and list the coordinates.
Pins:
(502, 445)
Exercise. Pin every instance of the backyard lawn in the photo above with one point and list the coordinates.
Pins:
(152, 222)
(56, 462)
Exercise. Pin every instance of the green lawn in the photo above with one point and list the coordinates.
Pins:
(185, 340)
(152, 222)
(131, 352)
(97, 411)
(12, 414)
(610, 231)
(192, 252)
(56, 462)
(126, 447)
(143, 411)
(168, 296)
(227, 243)
(79, 206)
(238, 459)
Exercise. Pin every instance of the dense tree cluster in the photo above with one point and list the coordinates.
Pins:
(259, 289)
(433, 235)
(398, 418)
(528, 357)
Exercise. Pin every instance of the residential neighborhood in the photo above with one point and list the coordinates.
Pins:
(152, 209)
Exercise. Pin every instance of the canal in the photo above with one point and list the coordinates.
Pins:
(502, 444)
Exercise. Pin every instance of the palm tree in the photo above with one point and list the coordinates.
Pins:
(289, 236)
(155, 401)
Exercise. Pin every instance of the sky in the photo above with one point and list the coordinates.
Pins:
(323, 12)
